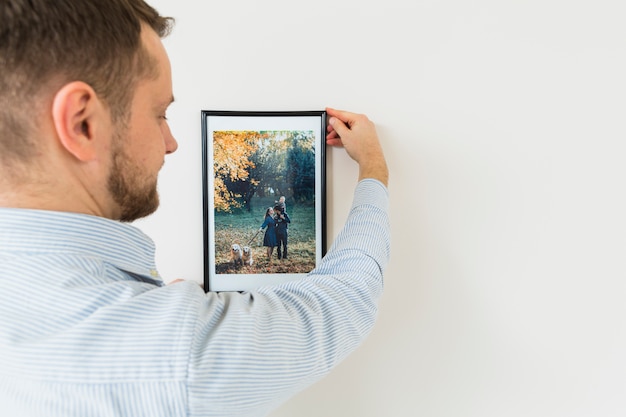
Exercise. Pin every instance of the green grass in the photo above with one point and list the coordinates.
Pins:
(241, 228)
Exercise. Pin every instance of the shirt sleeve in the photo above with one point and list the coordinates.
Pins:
(251, 351)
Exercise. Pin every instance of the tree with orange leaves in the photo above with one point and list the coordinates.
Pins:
(231, 163)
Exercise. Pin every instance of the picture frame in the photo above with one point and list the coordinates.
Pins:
(249, 160)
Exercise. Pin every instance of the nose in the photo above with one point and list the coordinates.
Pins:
(170, 142)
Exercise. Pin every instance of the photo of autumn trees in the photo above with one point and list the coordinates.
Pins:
(252, 169)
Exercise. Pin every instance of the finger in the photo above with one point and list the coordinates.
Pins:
(334, 142)
(329, 130)
(339, 126)
(332, 135)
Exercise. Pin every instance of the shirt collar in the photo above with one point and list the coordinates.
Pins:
(39, 231)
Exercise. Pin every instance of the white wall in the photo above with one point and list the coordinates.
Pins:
(504, 127)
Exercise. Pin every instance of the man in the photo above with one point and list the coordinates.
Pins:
(282, 226)
(281, 204)
(89, 328)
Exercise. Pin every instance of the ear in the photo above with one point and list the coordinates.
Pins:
(76, 113)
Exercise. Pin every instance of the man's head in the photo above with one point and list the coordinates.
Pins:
(103, 55)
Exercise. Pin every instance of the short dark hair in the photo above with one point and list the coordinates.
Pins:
(45, 44)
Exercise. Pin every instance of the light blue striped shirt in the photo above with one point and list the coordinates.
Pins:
(89, 329)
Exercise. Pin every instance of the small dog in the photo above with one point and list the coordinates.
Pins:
(235, 254)
(247, 256)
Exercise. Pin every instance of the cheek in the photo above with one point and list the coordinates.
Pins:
(149, 142)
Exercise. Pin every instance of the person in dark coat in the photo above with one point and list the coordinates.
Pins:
(282, 224)
(269, 240)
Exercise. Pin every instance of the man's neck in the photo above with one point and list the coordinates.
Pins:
(50, 195)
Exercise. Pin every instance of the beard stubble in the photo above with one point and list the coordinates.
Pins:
(130, 186)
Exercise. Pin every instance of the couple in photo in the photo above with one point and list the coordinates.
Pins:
(276, 220)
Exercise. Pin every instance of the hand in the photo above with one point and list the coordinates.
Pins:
(357, 134)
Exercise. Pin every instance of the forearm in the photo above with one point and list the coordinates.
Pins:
(334, 308)
(366, 233)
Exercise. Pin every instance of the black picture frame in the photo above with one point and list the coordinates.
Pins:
(249, 160)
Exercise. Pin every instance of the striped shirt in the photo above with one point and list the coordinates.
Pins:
(89, 329)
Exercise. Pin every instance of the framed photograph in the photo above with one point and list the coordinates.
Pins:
(264, 197)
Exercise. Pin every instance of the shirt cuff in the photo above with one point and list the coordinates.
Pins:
(371, 192)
